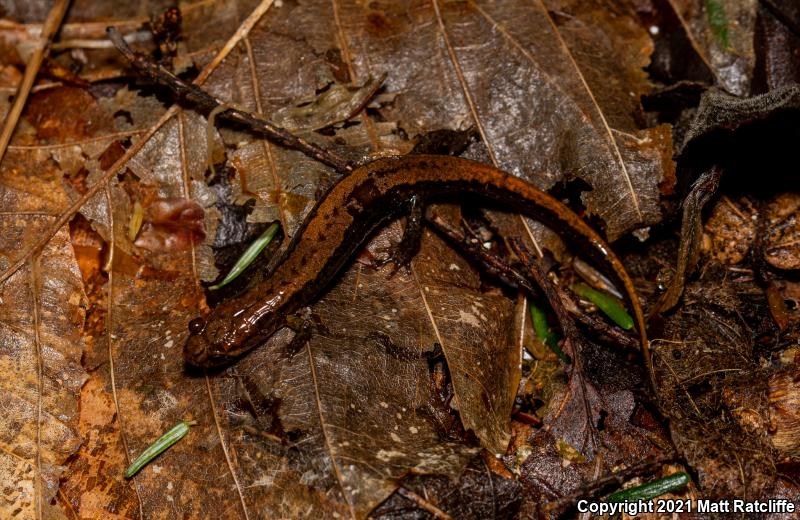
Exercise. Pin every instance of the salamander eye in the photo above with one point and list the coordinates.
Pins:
(197, 325)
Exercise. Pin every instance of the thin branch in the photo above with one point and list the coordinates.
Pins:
(206, 102)
(495, 266)
(604, 484)
(423, 504)
(49, 29)
(535, 271)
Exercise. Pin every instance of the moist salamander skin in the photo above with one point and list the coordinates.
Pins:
(343, 220)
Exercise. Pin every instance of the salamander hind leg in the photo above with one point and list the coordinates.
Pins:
(402, 254)
(302, 323)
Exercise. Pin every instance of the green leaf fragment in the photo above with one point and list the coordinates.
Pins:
(545, 333)
(568, 452)
(651, 490)
(718, 21)
(248, 256)
(135, 223)
(177, 432)
(610, 305)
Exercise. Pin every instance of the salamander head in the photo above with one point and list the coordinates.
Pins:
(206, 346)
(218, 342)
(231, 331)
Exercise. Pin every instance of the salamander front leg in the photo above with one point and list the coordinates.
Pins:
(402, 254)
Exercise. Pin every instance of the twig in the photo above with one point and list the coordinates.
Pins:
(604, 484)
(491, 264)
(775, 302)
(597, 324)
(497, 267)
(704, 188)
(538, 274)
(206, 102)
(424, 504)
(49, 29)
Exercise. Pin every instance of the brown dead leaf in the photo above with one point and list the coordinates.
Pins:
(94, 473)
(721, 33)
(562, 119)
(777, 43)
(730, 230)
(41, 314)
(48, 110)
(782, 243)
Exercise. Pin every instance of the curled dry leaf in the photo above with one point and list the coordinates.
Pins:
(721, 33)
(778, 38)
(730, 230)
(704, 188)
(335, 104)
(721, 118)
(782, 243)
(784, 410)
(173, 224)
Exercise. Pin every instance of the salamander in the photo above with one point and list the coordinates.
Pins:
(341, 222)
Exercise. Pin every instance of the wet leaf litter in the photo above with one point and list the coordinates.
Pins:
(406, 409)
